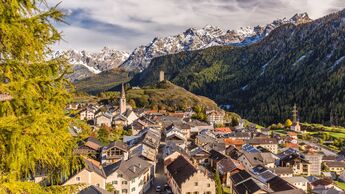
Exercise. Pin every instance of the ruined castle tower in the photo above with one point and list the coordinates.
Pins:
(161, 76)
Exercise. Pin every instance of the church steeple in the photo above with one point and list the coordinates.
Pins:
(295, 120)
(294, 114)
(122, 103)
(123, 94)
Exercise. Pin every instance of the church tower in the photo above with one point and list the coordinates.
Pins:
(295, 121)
(161, 76)
(123, 105)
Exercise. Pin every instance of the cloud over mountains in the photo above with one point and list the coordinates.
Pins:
(126, 24)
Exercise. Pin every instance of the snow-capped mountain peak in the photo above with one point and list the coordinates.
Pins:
(194, 39)
(86, 64)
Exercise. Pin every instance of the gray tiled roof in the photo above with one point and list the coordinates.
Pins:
(133, 167)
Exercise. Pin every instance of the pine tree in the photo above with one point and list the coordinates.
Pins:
(219, 189)
(33, 128)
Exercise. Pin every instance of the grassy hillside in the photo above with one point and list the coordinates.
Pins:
(102, 82)
(163, 95)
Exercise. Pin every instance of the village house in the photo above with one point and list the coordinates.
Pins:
(282, 171)
(215, 157)
(174, 141)
(298, 181)
(315, 160)
(299, 165)
(142, 123)
(199, 156)
(91, 174)
(133, 176)
(242, 182)
(321, 185)
(184, 178)
(226, 167)
(270, 144)
(232, 152)
(250, 160)
(241, 135)
(222, 130)
(203, 139)
(215, 117)
(103, 118)
(335, 166)
(238, 143)
(89, 146)
(88, 113)
(114, 152)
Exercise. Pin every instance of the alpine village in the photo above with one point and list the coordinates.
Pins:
(250, 111)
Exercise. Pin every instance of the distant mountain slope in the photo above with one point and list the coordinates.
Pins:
(303, 64)
(102, 81)
(86, 64)
(195, 39)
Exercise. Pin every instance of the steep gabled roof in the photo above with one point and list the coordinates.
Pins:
(94, 190)
(118, 144)
(180, 169)
(110, 169)
(240, 176)
(248, 186)
(94, 166)
(228, 165)
(92, 143)
(278, 184)
(134, 167)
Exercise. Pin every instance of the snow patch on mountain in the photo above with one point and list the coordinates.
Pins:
(299, 60)
(337, 62)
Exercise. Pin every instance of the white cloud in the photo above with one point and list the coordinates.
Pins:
(137, 22)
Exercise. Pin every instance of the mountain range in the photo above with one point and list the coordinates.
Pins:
(86, 64)
(302, 64)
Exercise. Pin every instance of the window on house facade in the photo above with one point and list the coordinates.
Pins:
(133, 180)
(114, 182)
(133, 189)
(117, 192)
(124, 190)
(119, 175)
(124, 182)
(208, 185)
(77, 178)
(196, 184)
(195, 192)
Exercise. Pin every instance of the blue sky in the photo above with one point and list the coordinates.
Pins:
(126, 24)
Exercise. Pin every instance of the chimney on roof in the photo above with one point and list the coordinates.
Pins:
(134, 168)
(139, 165)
